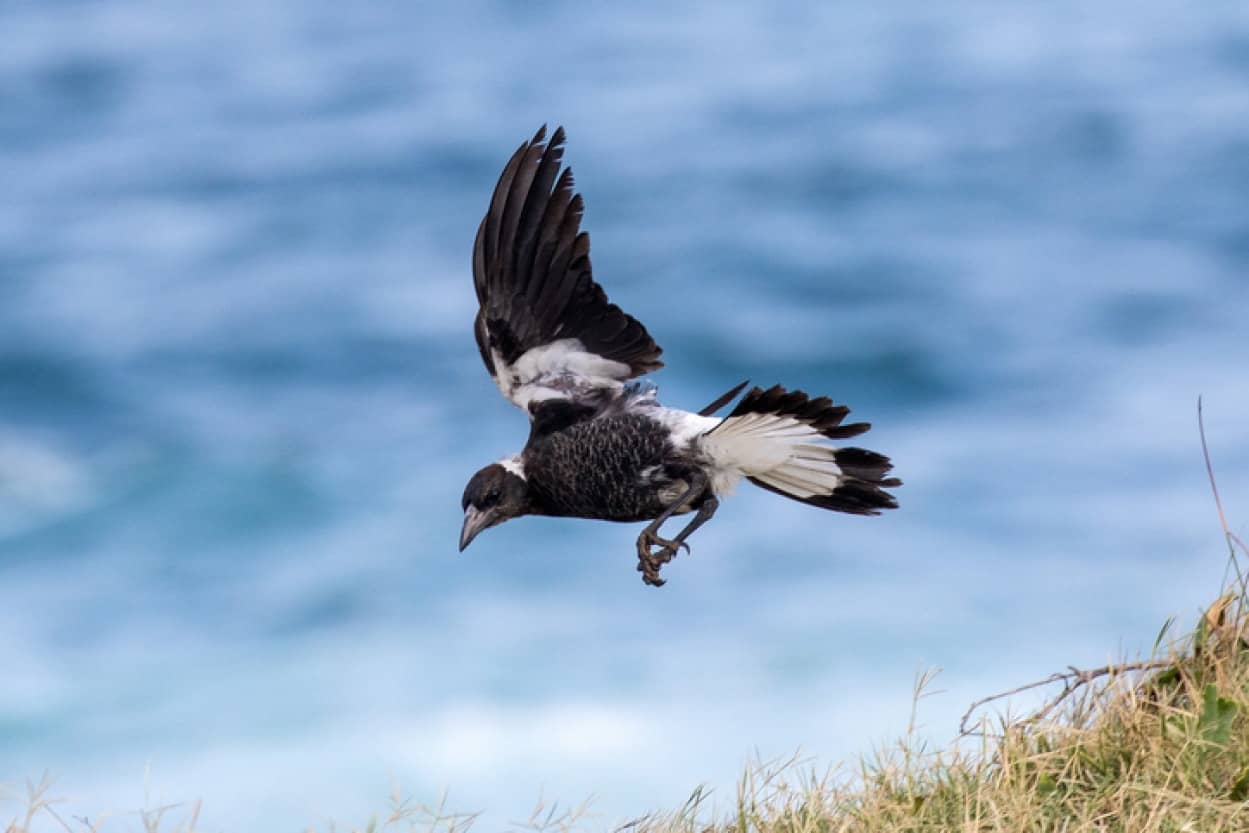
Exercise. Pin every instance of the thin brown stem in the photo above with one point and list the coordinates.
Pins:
(1232, 540)
(1072, 679)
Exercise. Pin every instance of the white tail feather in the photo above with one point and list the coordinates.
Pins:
(779, 450)
(787, 481)
(784, 486)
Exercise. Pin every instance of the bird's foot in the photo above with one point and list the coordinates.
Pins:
(651, 560)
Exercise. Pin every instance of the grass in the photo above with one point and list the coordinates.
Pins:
(42, 813)
(1154, 746)
(1166, 750)
(1160, 746)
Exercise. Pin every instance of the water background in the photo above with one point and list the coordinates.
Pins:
(239, 395)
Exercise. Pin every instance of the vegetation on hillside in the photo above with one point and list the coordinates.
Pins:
(1153, 746)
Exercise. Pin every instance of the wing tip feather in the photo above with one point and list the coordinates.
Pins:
(532, 267)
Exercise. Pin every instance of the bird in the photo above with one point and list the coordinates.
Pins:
(600, 444)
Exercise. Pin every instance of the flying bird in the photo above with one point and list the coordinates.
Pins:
(600, 445)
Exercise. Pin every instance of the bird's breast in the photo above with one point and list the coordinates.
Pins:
(610, 468)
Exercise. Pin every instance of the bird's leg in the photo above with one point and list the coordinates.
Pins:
(649, 564)
(650, 561)
(709, 507)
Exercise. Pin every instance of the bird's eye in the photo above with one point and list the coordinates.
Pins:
(492, 495)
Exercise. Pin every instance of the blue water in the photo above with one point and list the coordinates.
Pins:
(239, 395)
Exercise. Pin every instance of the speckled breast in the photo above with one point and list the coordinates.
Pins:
(612, 468)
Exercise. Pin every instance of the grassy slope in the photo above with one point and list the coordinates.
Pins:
(1159, 750)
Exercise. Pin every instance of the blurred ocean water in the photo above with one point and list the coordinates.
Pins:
(239, 395)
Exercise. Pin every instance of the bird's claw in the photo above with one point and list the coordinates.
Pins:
(650, 561)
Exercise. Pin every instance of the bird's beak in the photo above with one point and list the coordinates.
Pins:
(474, 522)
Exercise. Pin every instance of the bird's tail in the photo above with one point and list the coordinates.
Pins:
(776, 438)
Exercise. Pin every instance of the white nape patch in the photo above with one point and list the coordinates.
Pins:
(514, 465)
(559, 369)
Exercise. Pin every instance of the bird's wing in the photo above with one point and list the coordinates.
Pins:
(545, 329)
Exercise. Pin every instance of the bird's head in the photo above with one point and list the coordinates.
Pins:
(495, 494)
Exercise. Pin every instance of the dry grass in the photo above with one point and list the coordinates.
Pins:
(1160, 752)
(1155, 746)
(41, 813)
(1160, 746)
(1151, 750)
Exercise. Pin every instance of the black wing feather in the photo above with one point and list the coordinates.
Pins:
(820, 413)
(724, 399)
(532, 272)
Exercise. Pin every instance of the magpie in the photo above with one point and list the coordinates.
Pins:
(601, 445)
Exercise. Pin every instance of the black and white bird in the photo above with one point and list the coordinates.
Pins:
(601, 446)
